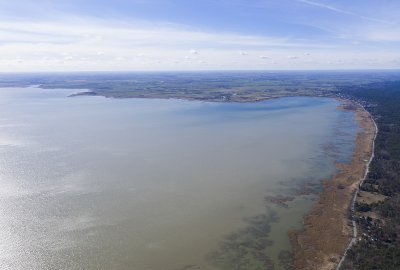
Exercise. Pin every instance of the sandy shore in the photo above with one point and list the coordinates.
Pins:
(328, 228)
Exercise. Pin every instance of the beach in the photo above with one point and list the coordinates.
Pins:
(328, 228)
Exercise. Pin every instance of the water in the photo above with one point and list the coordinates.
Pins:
(96, 183)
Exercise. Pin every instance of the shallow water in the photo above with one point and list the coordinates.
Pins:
(95, 183)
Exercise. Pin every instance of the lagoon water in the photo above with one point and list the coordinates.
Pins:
(147, 184)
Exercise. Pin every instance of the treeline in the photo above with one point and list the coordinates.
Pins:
(379, 247)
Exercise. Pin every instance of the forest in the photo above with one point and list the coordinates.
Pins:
(379, 243)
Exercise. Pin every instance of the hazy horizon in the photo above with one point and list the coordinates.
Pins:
(50, 72)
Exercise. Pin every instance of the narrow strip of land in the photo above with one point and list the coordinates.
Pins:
(354, 238)
(328, 228)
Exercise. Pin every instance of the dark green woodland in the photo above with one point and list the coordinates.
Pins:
(380, 244)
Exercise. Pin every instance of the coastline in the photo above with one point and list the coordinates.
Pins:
(328, 231)
(323, 242)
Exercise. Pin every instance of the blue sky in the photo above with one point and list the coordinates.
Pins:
(89, 35)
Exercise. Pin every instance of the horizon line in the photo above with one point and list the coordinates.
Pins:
(205, 71)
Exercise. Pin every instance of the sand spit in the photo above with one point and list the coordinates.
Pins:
(328, 228)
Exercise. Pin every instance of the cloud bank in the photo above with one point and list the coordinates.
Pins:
(340, 39)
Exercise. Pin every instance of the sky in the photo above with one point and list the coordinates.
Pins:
(183, 35)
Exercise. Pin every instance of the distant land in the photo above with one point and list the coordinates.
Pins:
(208, 86)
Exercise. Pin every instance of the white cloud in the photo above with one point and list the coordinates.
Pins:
(93, 33)
(325, 6)
(342, 11)
(43, 46)
(382, 35)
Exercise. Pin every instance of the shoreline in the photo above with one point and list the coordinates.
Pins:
(328, 230)
(354, 200)
(319, 245)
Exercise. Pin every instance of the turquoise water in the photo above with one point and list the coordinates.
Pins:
(147, 184)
